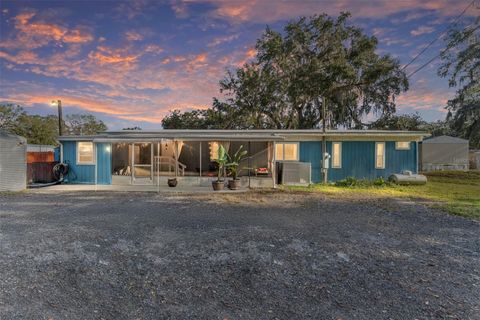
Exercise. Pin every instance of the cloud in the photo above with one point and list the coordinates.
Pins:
(32, 34)
(219, 40)
(422, 30)
(133, 36)
(264, 12)
(105, 55)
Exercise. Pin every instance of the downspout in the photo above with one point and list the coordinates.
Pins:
(274, 165)
(324, 141)
(96, 161)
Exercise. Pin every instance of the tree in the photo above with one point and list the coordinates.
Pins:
(461, 65)
(132, 128)
(37, 129)
(84, 124)
(314, 58)
(9, 116)
(412, 122)
(219, 116)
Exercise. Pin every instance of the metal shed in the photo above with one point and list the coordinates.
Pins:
(13, 162)
(444, 153)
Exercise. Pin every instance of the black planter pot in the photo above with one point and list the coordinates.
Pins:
(234, 184)
(172, 182)
(218, 185)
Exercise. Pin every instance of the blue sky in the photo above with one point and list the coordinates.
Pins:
(130, 62)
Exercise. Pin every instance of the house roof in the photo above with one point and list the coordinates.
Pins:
(250, 135)
(12, 137)
(446, 139)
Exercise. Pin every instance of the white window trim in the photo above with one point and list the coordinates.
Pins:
(78, 162)
(340, 155)
(384, 154)
(283, 155)
(400, 148)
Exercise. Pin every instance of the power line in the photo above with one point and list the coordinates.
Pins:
(443, 51)
(440, 36)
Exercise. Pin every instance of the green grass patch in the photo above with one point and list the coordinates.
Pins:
(456, 192)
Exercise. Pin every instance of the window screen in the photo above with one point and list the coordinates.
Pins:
(85, 152)
(380, 155)
(402, 145)
(337, 155)
(286, 151)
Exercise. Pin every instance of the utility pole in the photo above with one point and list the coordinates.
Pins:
(324, 141)
(58, 103)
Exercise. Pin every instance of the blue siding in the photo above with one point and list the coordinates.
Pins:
(358, 160)
(104, 163)
(86, 173)
(56, 154)
(311, 151)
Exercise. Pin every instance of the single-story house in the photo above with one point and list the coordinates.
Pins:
(444, 153)
(274, 156)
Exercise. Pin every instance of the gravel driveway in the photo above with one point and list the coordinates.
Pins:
(247, 256)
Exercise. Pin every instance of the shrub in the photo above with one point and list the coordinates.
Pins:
(354, 182)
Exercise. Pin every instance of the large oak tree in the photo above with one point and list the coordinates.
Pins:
(294, 70)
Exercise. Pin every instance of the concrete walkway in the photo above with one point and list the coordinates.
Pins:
(131, 188)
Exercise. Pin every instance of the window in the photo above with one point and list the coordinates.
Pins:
(85, 153)
(214, 146)
(402, 145)
(286, 151)
(336, 155)
(380, 155)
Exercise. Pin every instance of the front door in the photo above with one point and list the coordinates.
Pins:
(142, 163)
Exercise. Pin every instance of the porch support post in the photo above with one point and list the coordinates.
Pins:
(274, 165)
(132, 178)
(175, 150)
(151, 162)
(200, 152)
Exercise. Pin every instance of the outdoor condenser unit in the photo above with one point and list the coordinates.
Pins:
(294, 173)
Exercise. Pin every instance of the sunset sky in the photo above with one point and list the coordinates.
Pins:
(129, 62)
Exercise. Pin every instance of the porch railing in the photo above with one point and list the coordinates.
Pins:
(171, 163)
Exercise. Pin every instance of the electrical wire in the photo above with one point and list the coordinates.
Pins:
(440, 36)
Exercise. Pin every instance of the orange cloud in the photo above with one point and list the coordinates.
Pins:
(34, 34)
(106, 55)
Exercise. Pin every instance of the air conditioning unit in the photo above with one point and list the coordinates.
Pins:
(294, 173)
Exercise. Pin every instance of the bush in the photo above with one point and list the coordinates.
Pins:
(354, 182)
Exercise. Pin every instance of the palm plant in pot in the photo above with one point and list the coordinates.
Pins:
(221, 161)
(232, 165)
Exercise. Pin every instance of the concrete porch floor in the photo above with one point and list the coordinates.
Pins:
(132, 188)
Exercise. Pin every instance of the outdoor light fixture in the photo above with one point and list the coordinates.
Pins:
(58, 103)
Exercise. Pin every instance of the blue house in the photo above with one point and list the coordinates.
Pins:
(274, 156)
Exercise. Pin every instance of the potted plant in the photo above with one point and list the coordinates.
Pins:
(172, 182)
(221, 161)
(232, 165)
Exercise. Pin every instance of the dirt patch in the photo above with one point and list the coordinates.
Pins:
(241, 256)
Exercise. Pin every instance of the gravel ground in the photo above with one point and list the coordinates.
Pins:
(247, 256)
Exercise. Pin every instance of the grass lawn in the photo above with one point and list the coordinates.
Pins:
(455, 192)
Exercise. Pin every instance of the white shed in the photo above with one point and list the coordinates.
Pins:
(444, 153)
(13, 162)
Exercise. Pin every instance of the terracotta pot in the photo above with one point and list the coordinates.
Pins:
(234, 184)
(217, 185)
(172, 182)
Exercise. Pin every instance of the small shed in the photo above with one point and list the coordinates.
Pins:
(13, 162)
(444, 153)
(40, 162)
